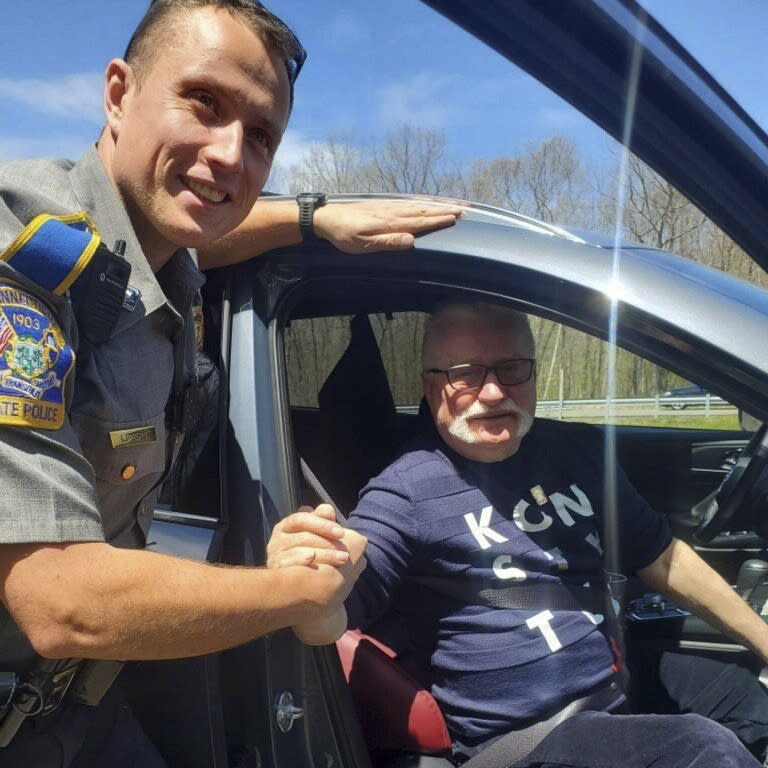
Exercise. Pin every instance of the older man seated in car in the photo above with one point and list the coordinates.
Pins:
(485, 499)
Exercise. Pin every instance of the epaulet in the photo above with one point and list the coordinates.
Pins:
(65, 253)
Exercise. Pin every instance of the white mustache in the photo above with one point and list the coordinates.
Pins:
(462, 431)
(481, 409)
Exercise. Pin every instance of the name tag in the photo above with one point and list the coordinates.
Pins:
(124, 438)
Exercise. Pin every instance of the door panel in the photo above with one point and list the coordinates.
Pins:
(673, 470)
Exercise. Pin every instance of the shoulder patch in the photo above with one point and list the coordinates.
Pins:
(35, 361)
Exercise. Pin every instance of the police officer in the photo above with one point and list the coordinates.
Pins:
(93, 360)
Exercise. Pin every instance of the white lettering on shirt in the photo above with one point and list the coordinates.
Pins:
(541, 622)
(503, 569)
(556, 555)
(481, 529)
(563, 503)
(594, 540)
(526, 525)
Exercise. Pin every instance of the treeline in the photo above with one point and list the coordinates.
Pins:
(549, 181)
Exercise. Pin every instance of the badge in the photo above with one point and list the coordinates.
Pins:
(124, 438)
(35, 360)
(538, 495)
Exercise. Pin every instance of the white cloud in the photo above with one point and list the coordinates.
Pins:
(419, 100)
(71, 96)
(293, 149)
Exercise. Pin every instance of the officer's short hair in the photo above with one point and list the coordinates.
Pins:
(154, 32)
(445, 314)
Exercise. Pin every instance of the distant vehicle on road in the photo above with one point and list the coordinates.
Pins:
(683, 397)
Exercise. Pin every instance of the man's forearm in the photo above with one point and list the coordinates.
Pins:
(361, 227)
(268, 226)
(682, 575)
(101, 602)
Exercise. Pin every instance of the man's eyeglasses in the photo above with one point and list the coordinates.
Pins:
(470, 376)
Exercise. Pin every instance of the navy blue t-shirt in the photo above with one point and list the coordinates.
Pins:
(535, 517)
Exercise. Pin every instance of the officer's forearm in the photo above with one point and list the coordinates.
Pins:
(683, 576)
(92, 600)
(267, 226)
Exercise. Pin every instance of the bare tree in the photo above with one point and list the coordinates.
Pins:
(498, 182)
(547, 183)
(334, 166)
(413, 161)
(655, 213)
(553, 175)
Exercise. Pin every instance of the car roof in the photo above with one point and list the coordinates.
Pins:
(698, 301)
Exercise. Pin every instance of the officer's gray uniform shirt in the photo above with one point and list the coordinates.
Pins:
(71, 484)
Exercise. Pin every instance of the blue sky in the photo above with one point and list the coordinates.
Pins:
(371, 66)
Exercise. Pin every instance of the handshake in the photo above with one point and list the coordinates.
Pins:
(327, 559)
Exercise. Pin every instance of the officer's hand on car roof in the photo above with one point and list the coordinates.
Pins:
(377, 226)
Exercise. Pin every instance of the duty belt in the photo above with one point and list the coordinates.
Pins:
(41, 691)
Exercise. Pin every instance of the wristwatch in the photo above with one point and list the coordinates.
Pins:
(309, 202)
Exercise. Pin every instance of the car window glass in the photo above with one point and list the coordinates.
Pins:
(571, 374)
(571, 386)
(313, 347)
(193, 485)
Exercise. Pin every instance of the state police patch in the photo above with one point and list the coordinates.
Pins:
(35, 360)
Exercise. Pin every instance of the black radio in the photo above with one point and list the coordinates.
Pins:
(99, 292)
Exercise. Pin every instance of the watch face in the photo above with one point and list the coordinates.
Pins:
(317, 198)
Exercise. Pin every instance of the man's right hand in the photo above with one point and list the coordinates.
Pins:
(331, 556)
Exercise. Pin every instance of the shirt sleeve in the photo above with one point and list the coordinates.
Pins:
(47, 487)
(385, 515)
(644, 532)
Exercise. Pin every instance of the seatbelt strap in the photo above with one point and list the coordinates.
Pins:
(516, 745)
(317, 487)
(540, 597)
(535, 597)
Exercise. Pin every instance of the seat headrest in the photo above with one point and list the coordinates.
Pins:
(357, 402)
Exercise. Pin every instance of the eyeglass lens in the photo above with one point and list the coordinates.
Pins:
(473, 376)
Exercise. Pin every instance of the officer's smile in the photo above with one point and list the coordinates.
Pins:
(208, 193)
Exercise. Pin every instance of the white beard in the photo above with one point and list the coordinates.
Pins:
(462, 431)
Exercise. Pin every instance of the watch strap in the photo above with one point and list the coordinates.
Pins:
(308, 203)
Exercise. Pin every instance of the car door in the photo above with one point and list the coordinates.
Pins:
(303, 283)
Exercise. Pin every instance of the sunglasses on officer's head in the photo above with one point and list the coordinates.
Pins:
(293, 64)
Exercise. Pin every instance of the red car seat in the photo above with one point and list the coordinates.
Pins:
(396, 712)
